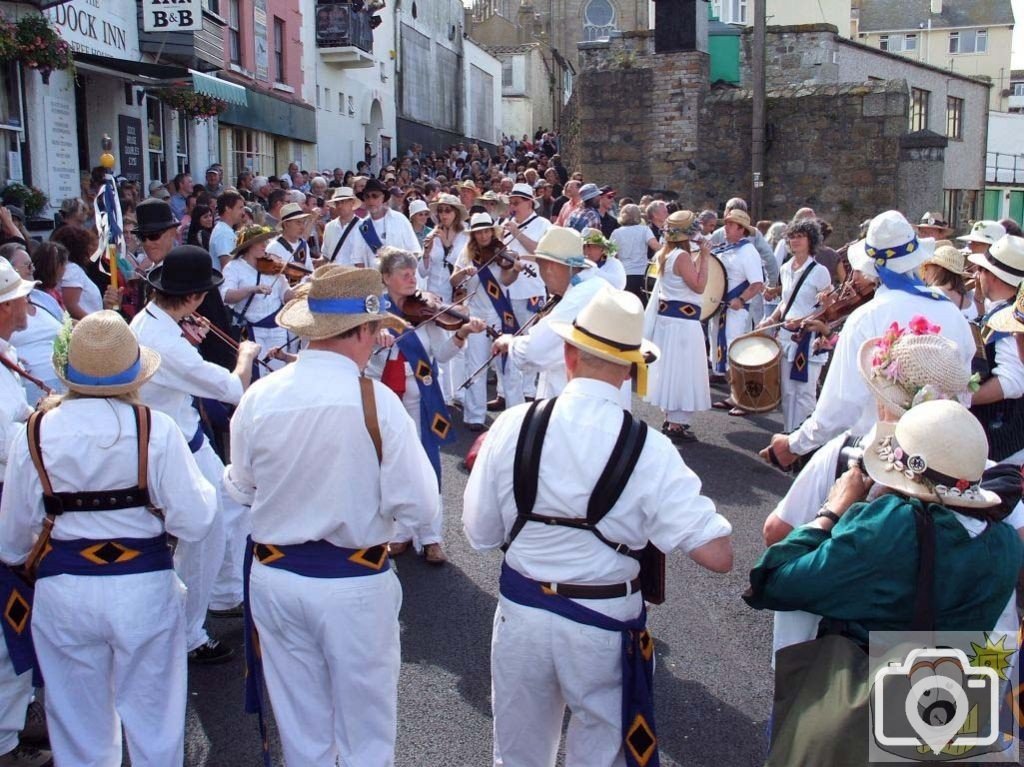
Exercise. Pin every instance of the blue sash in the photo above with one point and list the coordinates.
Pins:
(435, 420)
(908, 283)
(370, 236)
(722, 353)
(16, 598)
(502, 306)
(313, 559)
(995, 336)
(679, 310)
(798, 370)
(534, 303)
(270, 321)
(114, 556)
(639, 742)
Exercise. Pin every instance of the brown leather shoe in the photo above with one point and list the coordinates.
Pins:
(496, 405)
(396, 548)
(34, 733)
(434, 554)
(27, 756)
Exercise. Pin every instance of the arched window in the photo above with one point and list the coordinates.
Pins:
(598, 20)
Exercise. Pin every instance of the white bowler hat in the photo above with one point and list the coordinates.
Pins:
(342, 194)
(11, 284)
(984, 231)
(561, 245)
(293, 212)
(522, 190)
(1005, 259)
(935, 452)
(417, 206)
(891, 242)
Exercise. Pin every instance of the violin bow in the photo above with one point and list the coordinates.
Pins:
(224, 337)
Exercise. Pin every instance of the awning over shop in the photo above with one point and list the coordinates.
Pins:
(219, 89)
(140, 72)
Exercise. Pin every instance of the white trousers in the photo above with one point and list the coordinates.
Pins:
(541, 663)
(227, 588)
(112, 650)
(15, 695)
(199, 562)
(798, 397)
(331, 657)
(474, 400)
(737, 322)
(520, 307)
(428, 532)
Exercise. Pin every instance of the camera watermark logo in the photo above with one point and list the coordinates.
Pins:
(940, 698)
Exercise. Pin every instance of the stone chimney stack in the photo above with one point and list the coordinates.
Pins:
(936, 7)
(524, 22)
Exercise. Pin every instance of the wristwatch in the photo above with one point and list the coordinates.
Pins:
(826, 512)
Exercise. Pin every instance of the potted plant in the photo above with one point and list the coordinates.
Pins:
(40, 47)
(28, 198)
(195, 106)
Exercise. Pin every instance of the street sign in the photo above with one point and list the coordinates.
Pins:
(172, 15)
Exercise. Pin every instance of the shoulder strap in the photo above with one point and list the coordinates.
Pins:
(143, 420)
(285, 244)
(344, 236)
(799, 284)
(526, 465)
(35, 451)
(924, 601)
(619, 468)
(370, 415)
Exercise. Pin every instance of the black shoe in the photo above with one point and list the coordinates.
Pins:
(34, 732)
(231, 612)
(211, 653)
(496, 405)
(679, 434)
(476, 427)
(26, 756)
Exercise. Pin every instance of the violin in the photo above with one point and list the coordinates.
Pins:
(836, 306)
(423, 307)
(292, 270)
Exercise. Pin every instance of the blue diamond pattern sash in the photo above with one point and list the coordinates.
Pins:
(722, 353)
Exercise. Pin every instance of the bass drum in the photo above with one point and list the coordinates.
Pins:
(714, 291)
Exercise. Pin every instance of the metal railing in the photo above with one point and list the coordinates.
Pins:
(1004, 168)
(341, 23)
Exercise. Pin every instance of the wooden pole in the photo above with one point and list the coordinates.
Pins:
(757, 85)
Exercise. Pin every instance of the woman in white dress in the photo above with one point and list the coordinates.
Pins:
(678, 381)
(254, 298)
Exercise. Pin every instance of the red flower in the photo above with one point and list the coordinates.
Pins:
(920, 326)
(962, 484)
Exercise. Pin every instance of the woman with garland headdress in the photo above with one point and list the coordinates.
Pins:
(678, 380)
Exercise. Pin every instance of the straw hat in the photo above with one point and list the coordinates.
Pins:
(483, 221)
(949, 258)
(935, 452)
(340, 298)
(252, 235)
(740, 217)
(452, 202)
(984, 231)
(1010, 319)
(561, 245)
(524, 190)
(891, 243)
(467, 184)
(342, 194)
(680, 225)
(416, 207)
(493, 198)
(936, 222)
(611, 327)
(1005, 259)
(11, 284)
(293, 212)
(593, 236)
(906, 367)
(103, 357)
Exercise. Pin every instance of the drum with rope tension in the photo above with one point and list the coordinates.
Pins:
(755, 373)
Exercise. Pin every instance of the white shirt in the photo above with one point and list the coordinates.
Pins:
(741, 262)
(90, 444)
(182, 374)
(393, 229)
(613, 272)
(222, 242)
(75, 277)
(661, 503)
(438, 274)
(476, 296)
(632, 244)
(527, 286)
(13, 407)
(845, 401)
(239, 273)
(277, 248)
(332, 234)
(35, 346)
(286, 462)
(439, 344)
(805, 301)
(1009, 368)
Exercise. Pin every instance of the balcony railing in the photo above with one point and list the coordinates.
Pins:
(341, 23)
(1004, 168)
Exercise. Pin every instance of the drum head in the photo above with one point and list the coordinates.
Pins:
(714, 291)
(754, 351)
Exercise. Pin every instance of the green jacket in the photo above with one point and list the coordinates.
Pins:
(864, 572)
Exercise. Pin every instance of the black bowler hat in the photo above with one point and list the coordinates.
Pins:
(154, 216)
(187, 269)
(374, 185)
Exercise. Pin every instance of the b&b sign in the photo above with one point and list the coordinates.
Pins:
(172, 15)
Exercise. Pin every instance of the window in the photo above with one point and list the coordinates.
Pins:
(731, 11)
(155, 139)
(213, 6)
(181, 143)
(954, 117)
(598, 20)
(506, 73)
(318, 97)
(918, 109)
(910, 42)
(341, 103)
(968, 41)
(327, 99)
(250, 150)
(883, 42)
(279, 51)
(1018, 89)
(897, 43)
(234, 33)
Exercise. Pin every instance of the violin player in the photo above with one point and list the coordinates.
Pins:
(180, 284)
(890, 253)
(292, 244)
(407, 364)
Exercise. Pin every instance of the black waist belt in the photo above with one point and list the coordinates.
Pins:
(98, 500)
(611, 591)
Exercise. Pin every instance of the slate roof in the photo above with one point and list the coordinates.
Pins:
(883, 15)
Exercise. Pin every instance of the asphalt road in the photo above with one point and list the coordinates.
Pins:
(713, 682)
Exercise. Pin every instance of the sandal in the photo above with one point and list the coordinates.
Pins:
(397, 548)
(434, 554)
(724, 404)
(679, 433)
(738, 412)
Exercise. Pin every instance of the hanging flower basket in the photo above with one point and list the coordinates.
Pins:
(28, 198)
(195, 106)
(34, 42)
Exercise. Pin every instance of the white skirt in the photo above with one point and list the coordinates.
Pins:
(678, 380)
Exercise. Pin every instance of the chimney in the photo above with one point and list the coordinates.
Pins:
(936, 7)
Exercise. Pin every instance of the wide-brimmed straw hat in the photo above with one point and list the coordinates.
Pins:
(949, 258)
(451, 201)
(252, 235)
(741, 217)
(342, 194)
(340, 298)
(293, 212)
(984, 231)
(904, 368)
(416, 207)
(480, 221)
(493, 198)
(935, 220)
(103, 357)
(186, 269)
(611, 327)
(11, 284)
(561, 245)
(680, 225)
(1011, 318)
(891, 243)
(935, 452)
(1005, 259)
